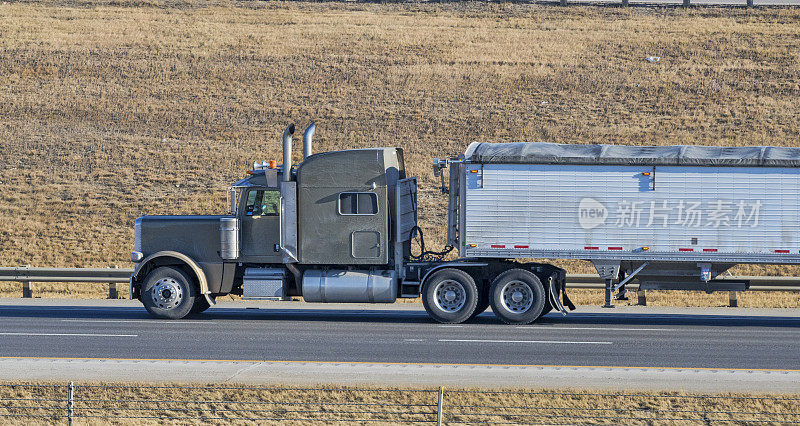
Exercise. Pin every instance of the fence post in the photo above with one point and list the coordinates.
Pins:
(732, 299)
(113, 292)
(439, 406)
(70, 403)
(641, 295)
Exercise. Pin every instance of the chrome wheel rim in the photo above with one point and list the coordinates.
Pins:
(167, 293)
(517, 297)
(450, 296)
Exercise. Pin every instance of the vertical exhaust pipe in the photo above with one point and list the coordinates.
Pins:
(287, 153)
(308, 135)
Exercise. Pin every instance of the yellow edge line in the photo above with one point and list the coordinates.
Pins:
(251, 361)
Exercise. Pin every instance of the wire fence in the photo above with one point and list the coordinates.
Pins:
(128, 404)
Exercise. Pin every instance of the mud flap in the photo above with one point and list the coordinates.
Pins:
(558, 285)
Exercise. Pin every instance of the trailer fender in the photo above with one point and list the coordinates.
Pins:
(181, 259)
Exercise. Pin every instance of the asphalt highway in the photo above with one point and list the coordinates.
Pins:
(295, 331)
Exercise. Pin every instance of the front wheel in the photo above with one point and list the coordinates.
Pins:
(168, 293)
(518, 297)
(450, 296)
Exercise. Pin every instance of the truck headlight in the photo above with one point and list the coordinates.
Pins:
(136, 254)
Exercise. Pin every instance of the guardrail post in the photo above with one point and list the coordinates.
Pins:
(732, 299)
(562, 2)
(70, 403)
(749, 3)
(624, 3)
(687, 2)
(26, 285)
(641, 297)
(439, 406)
(113, 291)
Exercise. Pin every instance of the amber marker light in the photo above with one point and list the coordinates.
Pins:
(273, 164)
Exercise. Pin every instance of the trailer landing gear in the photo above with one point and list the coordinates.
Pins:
(609, 290)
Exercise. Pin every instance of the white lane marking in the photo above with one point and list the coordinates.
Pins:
(451, 326)
(145, 321)
(413, 340)
(68, 334)
(598, 328)
(559, 342)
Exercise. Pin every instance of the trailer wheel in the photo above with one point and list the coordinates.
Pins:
(168, 293)
(450, 296)
(517, 297)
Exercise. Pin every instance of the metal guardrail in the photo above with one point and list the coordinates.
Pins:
(69, 403)
(757, 283)
(114, 276)
(26, 275)
(80, 275)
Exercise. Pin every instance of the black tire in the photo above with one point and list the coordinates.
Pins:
(168, 293)
(200, 305)
(483, 302)
(517, 297)
(447, 283)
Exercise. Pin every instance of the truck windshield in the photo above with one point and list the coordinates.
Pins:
(262, 203)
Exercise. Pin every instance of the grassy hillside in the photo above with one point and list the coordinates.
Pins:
(109, 110)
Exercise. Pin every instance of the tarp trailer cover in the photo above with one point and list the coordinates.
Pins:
(672, 217)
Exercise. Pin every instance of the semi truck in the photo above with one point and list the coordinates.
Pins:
(339, 226)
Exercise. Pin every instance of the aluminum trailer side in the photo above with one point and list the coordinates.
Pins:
(668, 217)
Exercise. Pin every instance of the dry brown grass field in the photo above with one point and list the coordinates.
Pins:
(580, 406)
(113, 109)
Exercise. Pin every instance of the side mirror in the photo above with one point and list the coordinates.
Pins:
(438, 167)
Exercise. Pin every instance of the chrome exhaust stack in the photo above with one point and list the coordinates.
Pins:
(287, 153)
(308, 135)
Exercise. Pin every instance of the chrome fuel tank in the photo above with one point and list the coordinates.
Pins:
(350, 286)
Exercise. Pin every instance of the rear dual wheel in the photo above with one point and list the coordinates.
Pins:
(517, 297)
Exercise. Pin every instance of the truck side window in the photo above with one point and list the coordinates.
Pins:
(262, 203)
(358, 203)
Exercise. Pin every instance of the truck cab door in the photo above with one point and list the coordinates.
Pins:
(260, 226)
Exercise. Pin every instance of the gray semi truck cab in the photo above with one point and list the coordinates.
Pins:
(337, 227)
